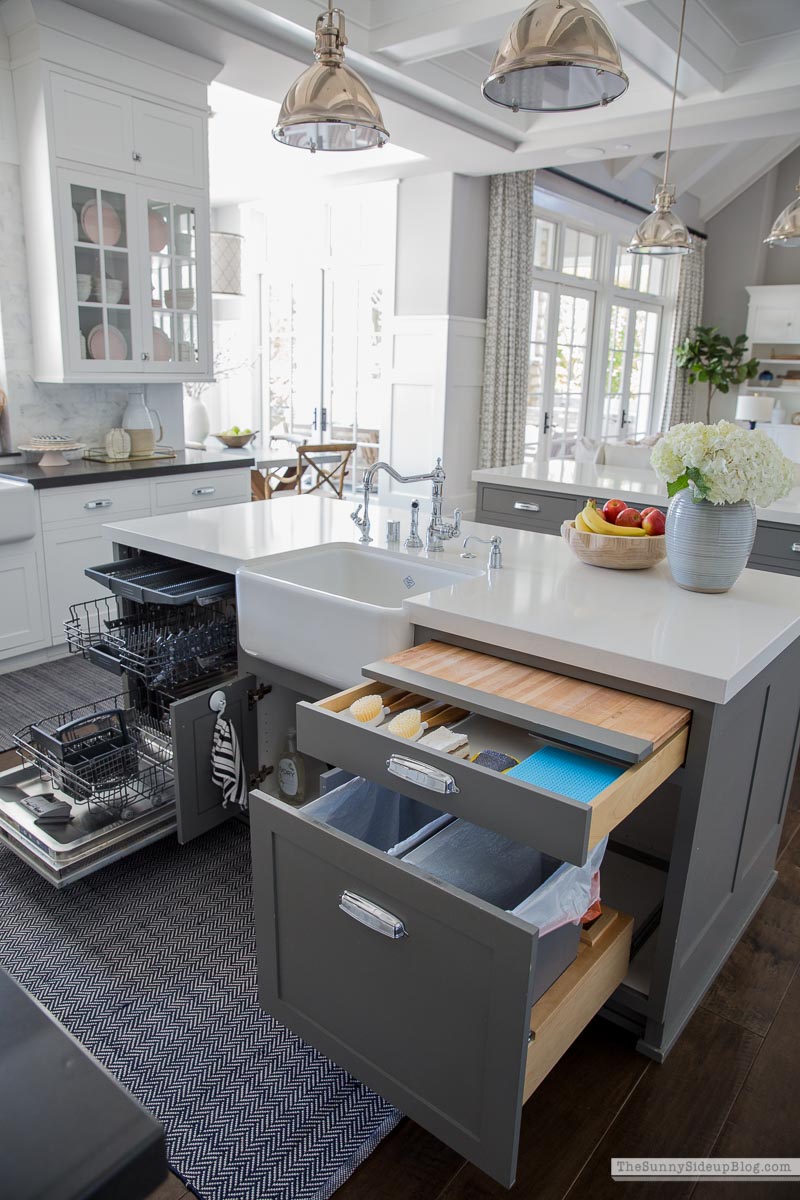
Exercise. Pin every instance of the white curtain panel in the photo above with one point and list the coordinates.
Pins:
(508, 319)
(679, 398)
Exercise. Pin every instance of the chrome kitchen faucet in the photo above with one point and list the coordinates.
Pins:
(438, 531)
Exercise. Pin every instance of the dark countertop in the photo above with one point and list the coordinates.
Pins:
(83, 471)
(69, 1129)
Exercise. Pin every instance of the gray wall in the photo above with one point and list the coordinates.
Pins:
(783, 266)
(736, 257)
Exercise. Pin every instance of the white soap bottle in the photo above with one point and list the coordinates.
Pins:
(292, 772)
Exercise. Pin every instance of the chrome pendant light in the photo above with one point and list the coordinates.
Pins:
(663, 232)
(559, 56)
(330, 107)
(786, 230)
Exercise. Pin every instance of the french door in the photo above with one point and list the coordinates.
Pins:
(630, 383)
(558, 379)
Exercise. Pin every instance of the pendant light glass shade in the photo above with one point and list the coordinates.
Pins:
(663, 232)
(330, 107)
(786, 230)
(558, 56)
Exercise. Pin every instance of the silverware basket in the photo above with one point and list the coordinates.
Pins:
(106, 754)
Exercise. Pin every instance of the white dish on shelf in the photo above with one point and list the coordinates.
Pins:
(162, 346)
(117, 344)
(84, 287)
(90, 223)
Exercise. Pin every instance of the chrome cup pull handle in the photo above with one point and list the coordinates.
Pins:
(371, 915)
(796, 547)
(91, 504)
(204, 491)
(422, 775)
(521, 506)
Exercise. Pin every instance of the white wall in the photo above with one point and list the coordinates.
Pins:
(438, 333)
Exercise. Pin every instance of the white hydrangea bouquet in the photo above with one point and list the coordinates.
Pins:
(723, 463)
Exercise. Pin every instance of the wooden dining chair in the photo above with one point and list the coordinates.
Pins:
(264, 485)
(332, 474)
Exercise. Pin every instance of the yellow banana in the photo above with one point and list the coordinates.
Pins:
(598, 524)
(581, 524)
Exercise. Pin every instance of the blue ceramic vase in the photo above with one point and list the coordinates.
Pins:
(708, 545)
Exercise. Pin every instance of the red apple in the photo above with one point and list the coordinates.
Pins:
(654, 523)
(645, 511)
(629, 516)
(612, 509)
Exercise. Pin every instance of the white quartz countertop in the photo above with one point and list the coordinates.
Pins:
(594, 479)
(631, 625)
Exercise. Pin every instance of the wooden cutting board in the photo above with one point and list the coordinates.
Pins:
(653, 720)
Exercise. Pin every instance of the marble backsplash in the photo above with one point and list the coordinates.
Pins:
(83, 411)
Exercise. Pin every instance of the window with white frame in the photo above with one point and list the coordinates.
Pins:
(600, 322)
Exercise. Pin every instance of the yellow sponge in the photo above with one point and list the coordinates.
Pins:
(367, 708)
(406, 724)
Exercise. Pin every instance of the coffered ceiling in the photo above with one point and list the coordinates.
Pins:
(739, 90)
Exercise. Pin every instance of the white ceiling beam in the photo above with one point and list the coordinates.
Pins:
(431, 31)
(707, 161)
(623, 168)
(743, 169)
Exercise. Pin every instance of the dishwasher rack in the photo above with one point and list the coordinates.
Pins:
(109, 773)
(165, 648)
(148, 579)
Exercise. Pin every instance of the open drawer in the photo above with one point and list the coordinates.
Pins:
(428, 997)
(645, 739)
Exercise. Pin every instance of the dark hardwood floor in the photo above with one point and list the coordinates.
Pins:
(729, 1087)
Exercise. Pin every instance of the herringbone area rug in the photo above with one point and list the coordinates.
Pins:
(151, 964)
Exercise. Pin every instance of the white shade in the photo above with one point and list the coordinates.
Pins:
(754, 408)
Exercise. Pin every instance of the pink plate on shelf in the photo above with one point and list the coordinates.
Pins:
(158, 231)
(90, 223)
(117, 345)
(162, 346)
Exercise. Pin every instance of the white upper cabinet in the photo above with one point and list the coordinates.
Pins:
(169, 144)
(113, 130)
(773, 316)
(92, 125)
(106, 128)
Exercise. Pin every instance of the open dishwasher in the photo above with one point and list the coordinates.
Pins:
(102, 780)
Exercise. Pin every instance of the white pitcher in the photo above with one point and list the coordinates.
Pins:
(139, 422)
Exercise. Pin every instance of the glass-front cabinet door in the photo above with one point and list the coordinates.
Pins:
(102, 327)
(137, 281)
(173, 241)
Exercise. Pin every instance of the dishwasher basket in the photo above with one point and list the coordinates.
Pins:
(164, 647)
(106, 754)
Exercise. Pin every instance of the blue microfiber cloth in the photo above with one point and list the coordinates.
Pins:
(566, 773)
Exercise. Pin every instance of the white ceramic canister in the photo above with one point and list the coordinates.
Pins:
(118, 444)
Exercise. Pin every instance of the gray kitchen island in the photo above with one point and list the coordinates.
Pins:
(693, 701)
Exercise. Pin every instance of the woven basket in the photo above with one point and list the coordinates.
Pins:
(616, 553)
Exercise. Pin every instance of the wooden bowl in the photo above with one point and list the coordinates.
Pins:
(616, 553)
(235, 441)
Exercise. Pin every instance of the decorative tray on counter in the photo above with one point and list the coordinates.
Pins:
(100, 454)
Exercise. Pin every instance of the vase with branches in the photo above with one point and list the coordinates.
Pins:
(711, 358)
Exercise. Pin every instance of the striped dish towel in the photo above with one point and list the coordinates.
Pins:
(227, 768)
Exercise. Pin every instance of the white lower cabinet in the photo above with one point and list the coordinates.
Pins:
(22, 610)
(72, 539)
(68, 552)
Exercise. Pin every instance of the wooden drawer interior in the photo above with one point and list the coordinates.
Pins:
(601, 814)
(568, 1006)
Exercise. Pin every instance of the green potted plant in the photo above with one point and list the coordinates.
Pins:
(712, 358)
